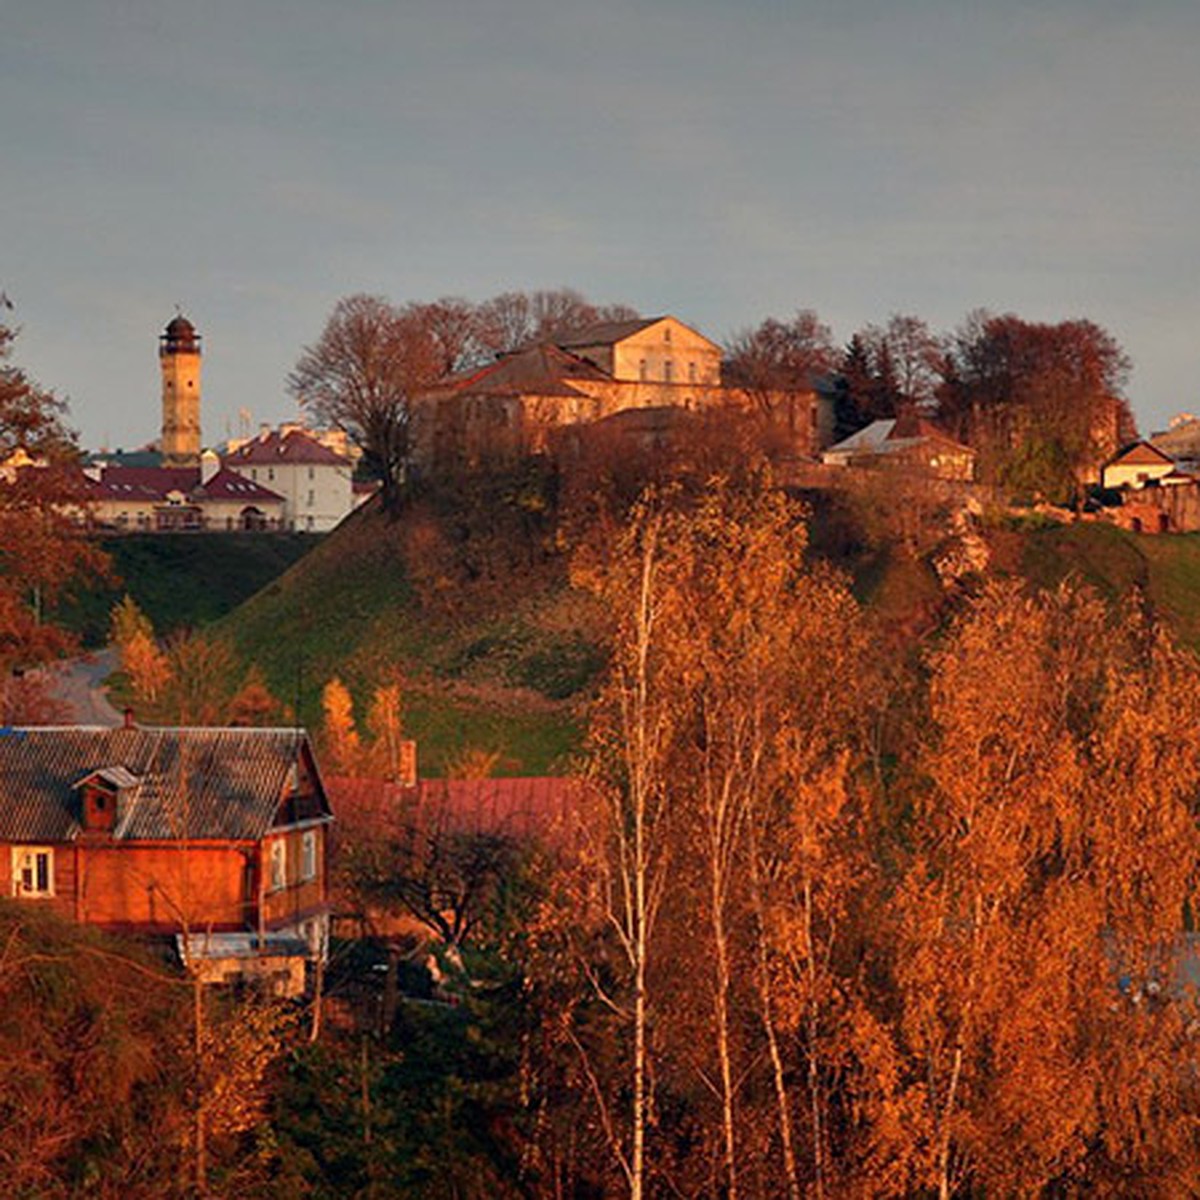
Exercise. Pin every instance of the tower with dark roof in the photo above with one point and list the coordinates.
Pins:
(179, 359)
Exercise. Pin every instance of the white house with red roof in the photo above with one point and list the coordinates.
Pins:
(314, 480)
(174, 499)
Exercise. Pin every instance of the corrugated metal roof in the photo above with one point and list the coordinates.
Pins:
(542, 807)
(222, 784)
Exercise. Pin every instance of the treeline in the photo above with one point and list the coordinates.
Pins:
(853, 927)
(826, 923)
(1042, 403)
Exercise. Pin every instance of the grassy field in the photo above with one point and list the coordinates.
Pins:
(184, 581)
(501, 680)
(1166, 570)
(508, 673)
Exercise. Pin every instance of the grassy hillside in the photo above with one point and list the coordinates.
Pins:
(185, 581)
(497, 678)
(504, 667)
(1166, 569)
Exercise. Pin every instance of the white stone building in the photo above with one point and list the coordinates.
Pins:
(314, 481)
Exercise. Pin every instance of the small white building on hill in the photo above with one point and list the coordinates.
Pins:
(314, 481)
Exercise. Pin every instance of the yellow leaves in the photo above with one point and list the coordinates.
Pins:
(340, 737)
(237, 1052)
(147, 667)
(378, 755)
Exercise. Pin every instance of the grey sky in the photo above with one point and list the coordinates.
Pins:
(253, 160)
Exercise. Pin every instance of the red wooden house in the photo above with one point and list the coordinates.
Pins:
(215, 836)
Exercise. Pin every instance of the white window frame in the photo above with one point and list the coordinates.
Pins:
(308, 856)
(278, 856)
(25, 867)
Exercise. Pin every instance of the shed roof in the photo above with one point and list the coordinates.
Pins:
(540, 807)
(204, 784)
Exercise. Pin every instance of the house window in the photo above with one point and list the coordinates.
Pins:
(642, 369)
(691, 372)
(667, 371)
(270, 474)
(278, 865)
(33, 871)
(311, 473)
(308, 855)
(311, 499)
(254, 474)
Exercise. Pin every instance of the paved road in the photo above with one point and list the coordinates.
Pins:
(77, 684)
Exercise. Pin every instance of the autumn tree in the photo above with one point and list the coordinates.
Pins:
(514, 320)
(630, 740)
(776, 359)
(201, 681)
(142, 659)
(361, 375)
(1042, 403)
(386, 726)
(1047, 867)
(721, 747)
(453, 326)
(44, 553)
(339, 734)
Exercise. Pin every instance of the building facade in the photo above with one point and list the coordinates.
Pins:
(171, 832)
(314, 481)
(515, 406)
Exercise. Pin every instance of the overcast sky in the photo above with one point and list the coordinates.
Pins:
(254, 160)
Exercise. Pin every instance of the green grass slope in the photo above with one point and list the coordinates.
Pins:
(506, 671)
(499, 679)
(1114, 563)
(186, 580)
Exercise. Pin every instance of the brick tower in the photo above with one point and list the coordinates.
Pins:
(179, 358)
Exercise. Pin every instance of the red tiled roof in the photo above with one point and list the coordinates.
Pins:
(294, 446)
(229, 485)
(146, 483)
(154, 484)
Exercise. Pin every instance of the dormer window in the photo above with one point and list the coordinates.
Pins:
(103, 794)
